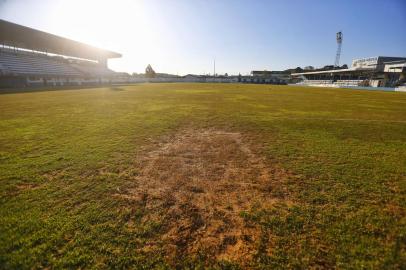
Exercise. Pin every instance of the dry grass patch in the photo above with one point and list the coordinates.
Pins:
(196, 184)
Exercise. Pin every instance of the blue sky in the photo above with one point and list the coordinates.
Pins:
(183, 36)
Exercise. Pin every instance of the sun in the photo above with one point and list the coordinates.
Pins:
(121, 25)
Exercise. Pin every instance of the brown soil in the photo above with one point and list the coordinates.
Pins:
(27, 186)
(196, 184)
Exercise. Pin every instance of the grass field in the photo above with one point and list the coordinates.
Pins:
(188, 176)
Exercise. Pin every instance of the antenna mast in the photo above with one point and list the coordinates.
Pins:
(339, 37)
(214, 71)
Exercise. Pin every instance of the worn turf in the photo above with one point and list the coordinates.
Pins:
(203, 175)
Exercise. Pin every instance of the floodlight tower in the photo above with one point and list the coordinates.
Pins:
(339, 37)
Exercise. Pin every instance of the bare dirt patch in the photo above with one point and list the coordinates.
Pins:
(197, 184)
(27, 186)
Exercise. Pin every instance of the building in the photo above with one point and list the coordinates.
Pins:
(266, 77)
(376, 63)
(380, 71)
(261, 73)
(308, 68)
(30, 57)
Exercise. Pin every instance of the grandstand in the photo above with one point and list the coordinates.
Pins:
(378, 71)
(30, 57)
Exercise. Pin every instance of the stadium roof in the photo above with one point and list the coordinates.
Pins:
(16, 35)
(343, 70)
(325, 71)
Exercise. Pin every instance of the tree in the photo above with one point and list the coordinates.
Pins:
(149, 72)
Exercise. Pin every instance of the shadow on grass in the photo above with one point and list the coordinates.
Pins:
(47, 89)
(61, 88)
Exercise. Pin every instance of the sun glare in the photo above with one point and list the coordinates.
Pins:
(114, 25)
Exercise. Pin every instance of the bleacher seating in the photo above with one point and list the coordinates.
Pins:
(2, 69)
(26, 64)
(348, 82)
(30, 57)
(31, 64)
(339, 83)
(90, 69)
(316, 82)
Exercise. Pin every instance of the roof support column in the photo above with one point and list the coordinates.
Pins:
(103, 62)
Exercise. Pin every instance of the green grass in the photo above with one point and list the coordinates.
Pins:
(345, 151)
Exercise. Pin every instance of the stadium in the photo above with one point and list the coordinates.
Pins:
(102, 167)
(32, 58)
